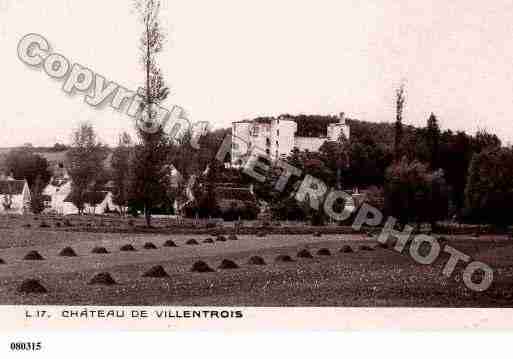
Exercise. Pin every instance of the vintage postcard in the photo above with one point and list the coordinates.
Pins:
(232, 165)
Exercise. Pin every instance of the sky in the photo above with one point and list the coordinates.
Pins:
(228, 60)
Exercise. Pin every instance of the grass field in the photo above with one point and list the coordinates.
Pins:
(380, 277)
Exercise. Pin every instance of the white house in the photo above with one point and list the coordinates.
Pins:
(277, 137)
(55, 193)
(14, 196)
(103, 198)
(57, 198)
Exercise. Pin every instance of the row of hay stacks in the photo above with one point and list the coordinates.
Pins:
(33, 286)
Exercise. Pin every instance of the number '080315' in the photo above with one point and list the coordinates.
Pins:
(26, 346)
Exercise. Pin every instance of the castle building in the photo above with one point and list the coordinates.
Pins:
(277, 137)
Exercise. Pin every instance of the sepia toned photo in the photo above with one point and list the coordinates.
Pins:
(332, 154)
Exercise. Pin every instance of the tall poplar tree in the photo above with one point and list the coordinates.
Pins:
(151, 155)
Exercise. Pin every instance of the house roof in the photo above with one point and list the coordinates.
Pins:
(234, 193)
(11, 186)
(90, 197)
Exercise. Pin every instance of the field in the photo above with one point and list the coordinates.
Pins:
(377, 277)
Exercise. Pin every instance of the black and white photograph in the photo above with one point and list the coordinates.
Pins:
(254, 154)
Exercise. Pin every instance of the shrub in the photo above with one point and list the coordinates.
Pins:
(67, 223)
(27, 225)
(233, 237)
(2, 261)
(208, 241)
(317, 219)
(192, 242)
(57, 224)
(317, 234)
(211, 225)
(31, 286)
(44, 225)
(382, 246)
(261, 234)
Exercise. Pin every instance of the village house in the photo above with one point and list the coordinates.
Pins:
(57, 197)
(14, 196)
(97, 202)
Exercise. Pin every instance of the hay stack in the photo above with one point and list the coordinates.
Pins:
(365, 248)
(201, 267)
(305, 253)
(257, 261)
(31, 286)
(156, 272)
(284, 258)
(170, 243)
(149, 245)
(102, 279)
(324, 252)
(100, 250)
(68, 252)
(127, 248)
(228, 264)
(346, 249)
(33, 256)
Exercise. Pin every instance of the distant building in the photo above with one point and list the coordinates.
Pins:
(14, 196)
(277, 137)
